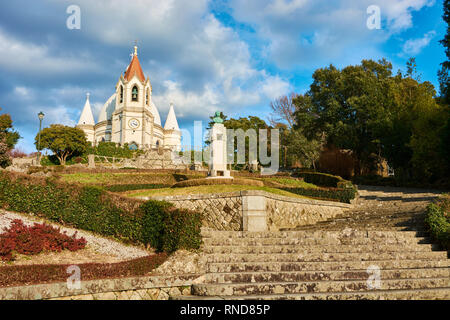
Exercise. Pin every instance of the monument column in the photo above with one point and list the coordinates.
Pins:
(218, 149)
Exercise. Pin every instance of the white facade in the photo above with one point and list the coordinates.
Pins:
(130, 116)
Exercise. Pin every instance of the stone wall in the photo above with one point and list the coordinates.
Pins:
(141, 288)
(256, 210)
(286, 212)
(221, 211)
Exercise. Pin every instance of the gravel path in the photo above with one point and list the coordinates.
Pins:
(95, 242)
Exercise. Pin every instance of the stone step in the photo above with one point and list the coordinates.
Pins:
(270, 288)
(321, 256)
(299, 276)
(324, 266)
(319, 248)
(311, 241)
(416, 294)
(309, 234)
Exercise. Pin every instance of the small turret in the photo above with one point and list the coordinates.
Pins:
(87, 117)
(171, 121)
(87, 122)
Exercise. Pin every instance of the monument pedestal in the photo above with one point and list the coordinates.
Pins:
(218, 152)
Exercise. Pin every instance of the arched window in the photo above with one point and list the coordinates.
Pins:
(121, 94)
(157, 143)
(134, 94)
(147, 96)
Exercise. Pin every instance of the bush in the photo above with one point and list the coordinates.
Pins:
(88, 207)
(131, 187)
(212, 181)
(182, 230)
(34, 274)
(324, 179)
(335, 194)
(33, 240)
(437, 220)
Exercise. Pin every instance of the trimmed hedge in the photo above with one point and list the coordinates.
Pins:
(324, 179)
(132, 187)
(337, 188)
(437, 220)
(344, 195)
(35, 274)
(92, 208)
(212, 181)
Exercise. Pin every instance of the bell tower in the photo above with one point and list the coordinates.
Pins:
(132, 119)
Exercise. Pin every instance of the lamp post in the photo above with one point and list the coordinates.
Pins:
(41, 117)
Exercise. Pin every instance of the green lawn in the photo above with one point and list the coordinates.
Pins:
(290, 182)
(108, 178)
(208, 189)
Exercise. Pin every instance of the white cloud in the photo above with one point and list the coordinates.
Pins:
(308, 34)
(25, 57)
(414, 46)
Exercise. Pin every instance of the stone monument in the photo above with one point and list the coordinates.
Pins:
(218, 150)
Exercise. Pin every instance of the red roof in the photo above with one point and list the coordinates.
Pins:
(135, 68)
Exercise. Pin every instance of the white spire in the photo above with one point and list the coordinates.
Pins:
(86, 116)
(171, 121)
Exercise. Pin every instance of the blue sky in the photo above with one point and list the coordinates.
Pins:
(230, 55)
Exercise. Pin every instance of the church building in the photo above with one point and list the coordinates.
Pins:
(130, 116)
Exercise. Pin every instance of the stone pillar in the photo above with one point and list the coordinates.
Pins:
(253, 212)
(218, 152)
(91, 161)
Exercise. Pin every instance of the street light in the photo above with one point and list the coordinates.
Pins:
(41, 117)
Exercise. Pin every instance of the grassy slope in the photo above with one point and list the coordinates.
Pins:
(289, 182)
(123, 178)
(208, 189)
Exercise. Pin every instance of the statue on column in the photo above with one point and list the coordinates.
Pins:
(218, 149)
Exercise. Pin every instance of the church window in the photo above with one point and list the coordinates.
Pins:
(157, 143)
(147, 100)
(134, 94)
(121, 94)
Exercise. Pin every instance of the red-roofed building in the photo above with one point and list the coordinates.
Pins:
(130, 116)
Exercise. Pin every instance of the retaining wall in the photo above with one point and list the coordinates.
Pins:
(256, 210)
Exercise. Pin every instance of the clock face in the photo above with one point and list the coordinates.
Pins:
(134, 123)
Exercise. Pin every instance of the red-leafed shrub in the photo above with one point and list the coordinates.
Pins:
(35, 239)
(34, 274)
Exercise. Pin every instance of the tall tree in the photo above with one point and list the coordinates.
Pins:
(63, 141)
(444, 73)
(349, 106)
(283, 110)
(8, 139)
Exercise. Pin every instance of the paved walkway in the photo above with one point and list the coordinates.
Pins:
(383, 208)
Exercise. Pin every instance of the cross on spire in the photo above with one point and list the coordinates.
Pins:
(135, 47)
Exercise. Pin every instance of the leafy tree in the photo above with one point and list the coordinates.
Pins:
(443, 74)
(8, 139)
(303, 150)
(349, 106)
(63, 141)
(377, 115)
(245, 124)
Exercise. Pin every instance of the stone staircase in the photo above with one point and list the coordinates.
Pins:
(322, 265)
(336, 259)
